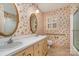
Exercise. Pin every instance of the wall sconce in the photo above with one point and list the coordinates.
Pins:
(37, 9)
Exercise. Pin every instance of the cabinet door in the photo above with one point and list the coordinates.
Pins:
(29, 51)
(22, 53)
(40, 48)
(36, 49)
(41, 43)
(45, 47)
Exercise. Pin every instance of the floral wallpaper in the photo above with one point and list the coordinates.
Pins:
(59, 35)
(62, 18)
(23, 27)
(25, 10)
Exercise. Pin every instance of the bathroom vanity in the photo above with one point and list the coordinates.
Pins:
(19, 46)
(31, 46)
(37, 49)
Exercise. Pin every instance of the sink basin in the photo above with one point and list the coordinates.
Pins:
(37, 35)
(10, 46)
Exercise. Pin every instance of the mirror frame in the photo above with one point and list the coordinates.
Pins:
(30, 23)
(3, 34)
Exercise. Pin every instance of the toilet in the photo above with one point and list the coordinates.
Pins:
(49, 43)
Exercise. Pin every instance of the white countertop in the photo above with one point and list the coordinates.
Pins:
(26, 41)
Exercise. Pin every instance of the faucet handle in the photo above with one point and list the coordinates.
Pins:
(10, 40)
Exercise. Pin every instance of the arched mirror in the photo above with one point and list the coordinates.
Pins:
(8, 19)
(33, 23)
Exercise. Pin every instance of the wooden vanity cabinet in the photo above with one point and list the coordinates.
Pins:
(45, 47)
(21, 53)
(26, 52)
(29, 51)
(38, 49)
(41, 48)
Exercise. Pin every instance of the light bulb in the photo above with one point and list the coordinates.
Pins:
(37, 11)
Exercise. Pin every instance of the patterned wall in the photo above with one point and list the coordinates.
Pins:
(25, 10)
(61, 16)
(23, 27)
(62, 31)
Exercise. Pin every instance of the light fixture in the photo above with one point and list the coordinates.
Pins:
(37, 11)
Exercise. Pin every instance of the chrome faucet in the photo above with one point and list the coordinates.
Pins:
(10, 40)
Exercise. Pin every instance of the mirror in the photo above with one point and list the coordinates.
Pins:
(33, 23)
(8, 19)
(76, 29)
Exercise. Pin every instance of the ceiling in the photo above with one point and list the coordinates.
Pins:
(45, 7)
